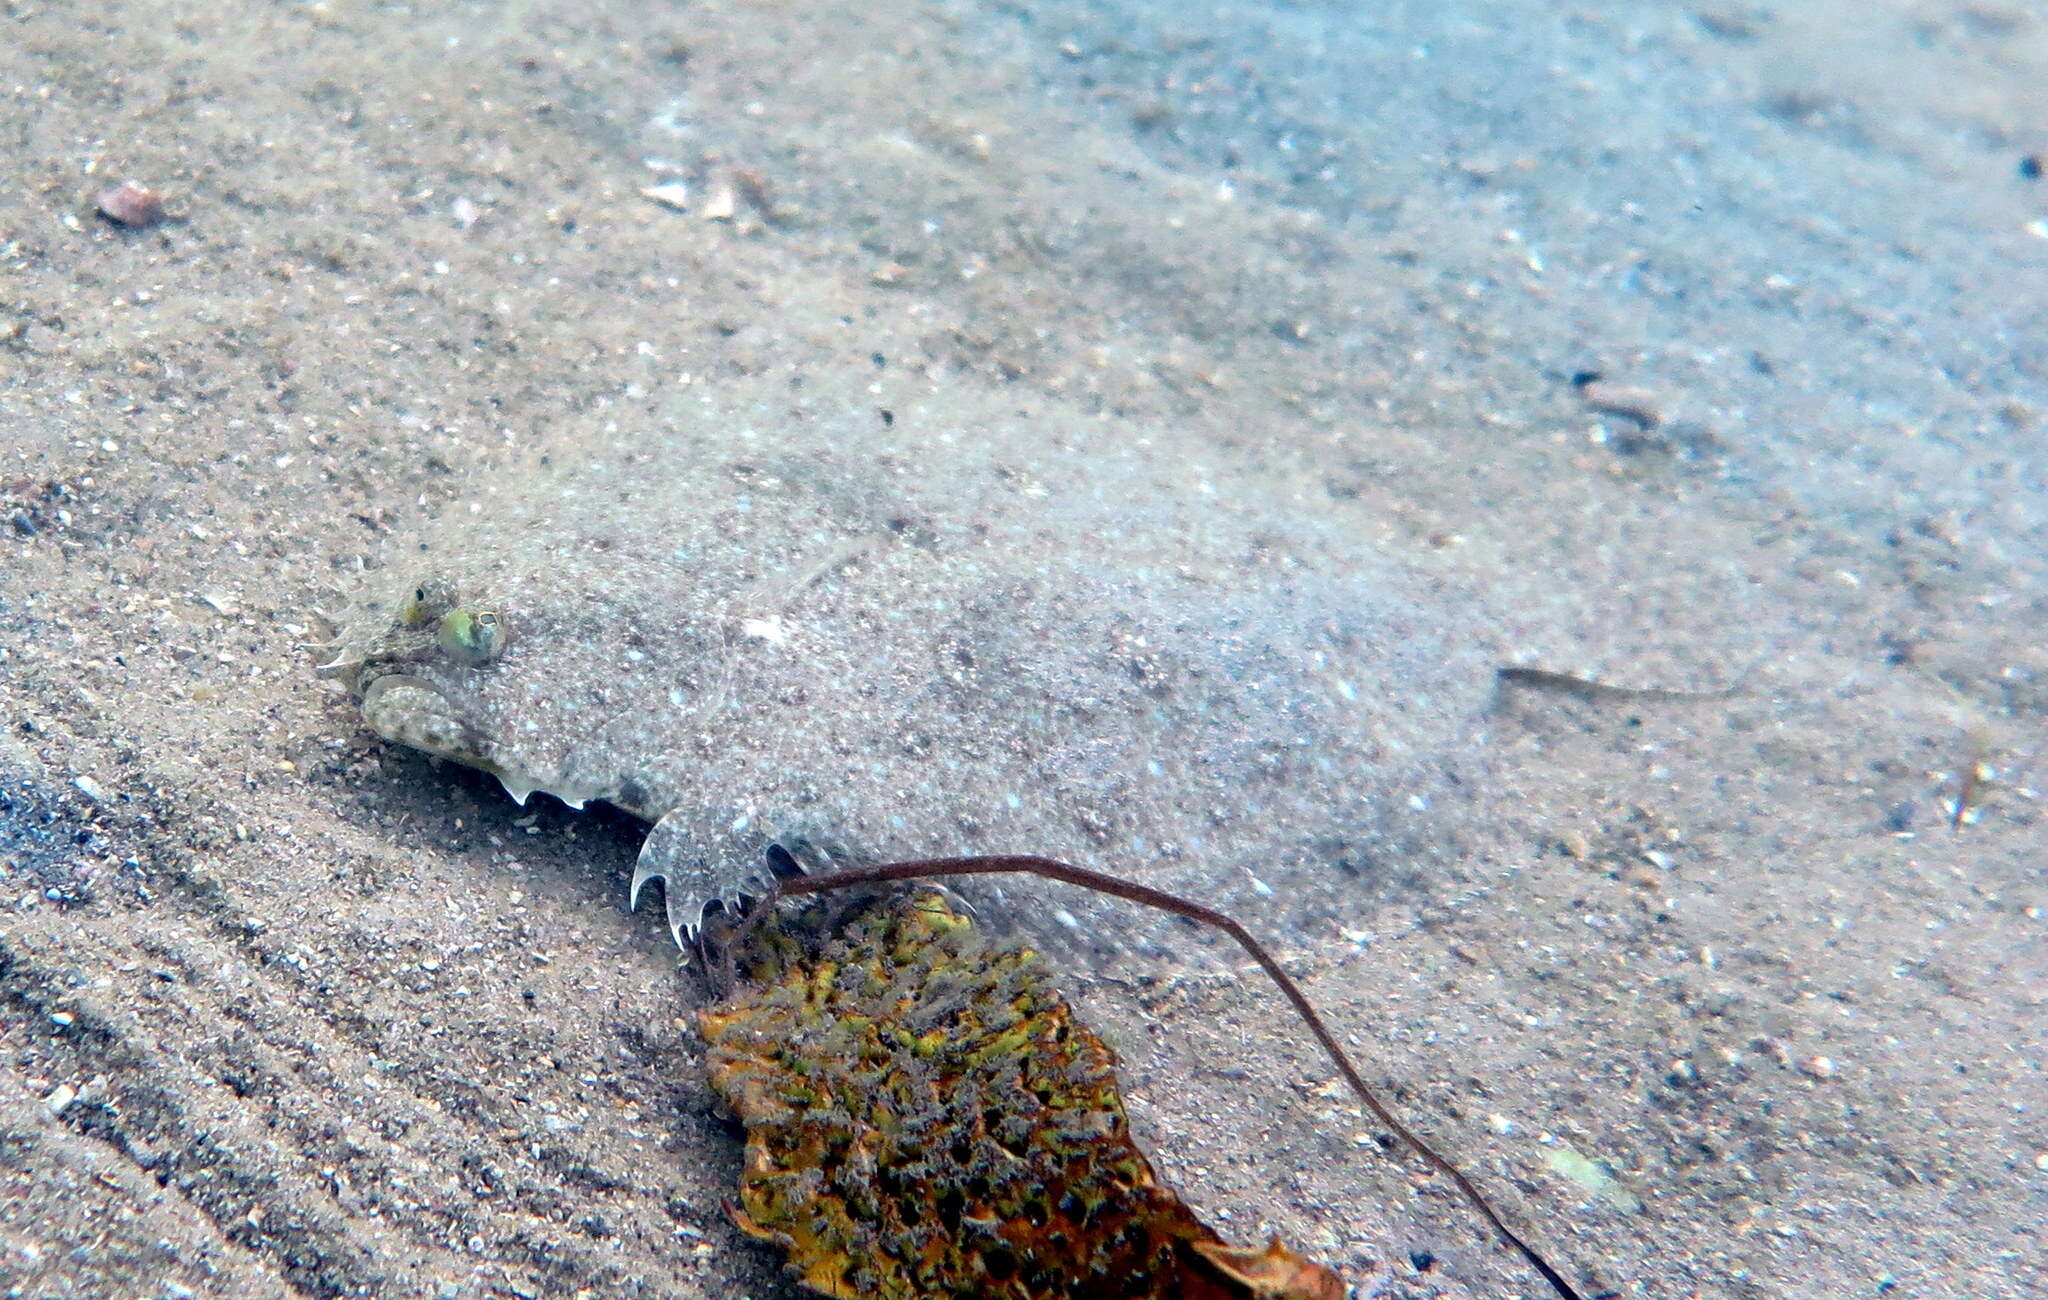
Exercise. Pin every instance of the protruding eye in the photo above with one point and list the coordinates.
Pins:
(472, 636)
(429, 601)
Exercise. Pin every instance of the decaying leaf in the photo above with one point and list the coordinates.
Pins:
(925, 1118)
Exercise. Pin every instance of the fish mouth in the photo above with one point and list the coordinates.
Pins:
(412, 711)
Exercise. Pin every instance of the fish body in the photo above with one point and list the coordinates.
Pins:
(789, 633)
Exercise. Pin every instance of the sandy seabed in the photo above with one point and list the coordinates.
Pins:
(1706, 340)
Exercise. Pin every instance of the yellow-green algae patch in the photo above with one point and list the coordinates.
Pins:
(925, 1118)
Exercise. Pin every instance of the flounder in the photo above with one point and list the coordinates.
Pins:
(793, 632)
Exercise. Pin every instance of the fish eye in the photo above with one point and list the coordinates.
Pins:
(429, 601)
(472, 636)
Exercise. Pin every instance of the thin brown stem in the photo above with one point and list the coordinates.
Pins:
(931, 868)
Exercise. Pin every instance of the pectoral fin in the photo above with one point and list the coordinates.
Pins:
(699, 866)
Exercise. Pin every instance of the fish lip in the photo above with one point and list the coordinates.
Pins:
(359, 669)
(433, 726)
(429, 725)
(376, 686)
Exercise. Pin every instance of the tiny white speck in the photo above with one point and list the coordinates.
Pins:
(1066, 918)
(765, 629)
(1418, 803)
(1347, 690)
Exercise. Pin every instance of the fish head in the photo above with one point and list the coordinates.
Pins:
(433, 664)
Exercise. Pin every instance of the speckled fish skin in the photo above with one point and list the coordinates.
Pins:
(773, 620)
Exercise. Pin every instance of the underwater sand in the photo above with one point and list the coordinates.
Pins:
(1704, 341)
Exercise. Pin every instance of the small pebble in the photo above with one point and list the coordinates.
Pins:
(130, 204)
(673, 195)
(90, 788)
(1642, 877)
(1593, 1176)
(1819, 1067)
(60, 1098)
(753, 187)
(1629, 403)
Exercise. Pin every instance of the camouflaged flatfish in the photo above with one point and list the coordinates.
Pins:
(926, 1119)
(789, 632)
